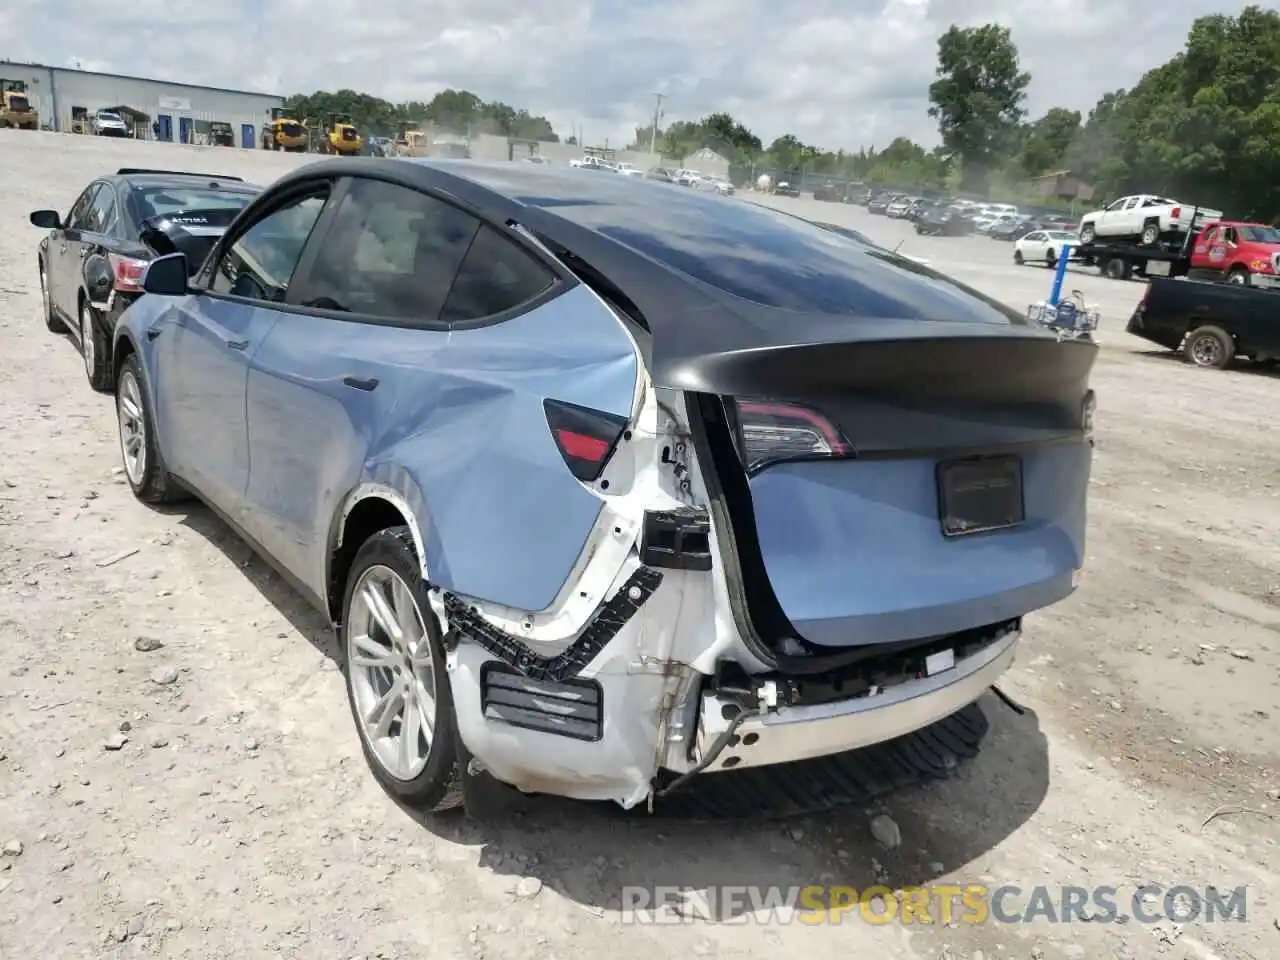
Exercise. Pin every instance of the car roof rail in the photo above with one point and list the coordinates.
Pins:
(129, 171)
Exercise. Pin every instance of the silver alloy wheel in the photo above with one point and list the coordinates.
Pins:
(1206, 351)
(133, 428)
(392, 676)
(86, 338)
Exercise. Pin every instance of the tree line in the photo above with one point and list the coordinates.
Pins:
(457, 111)
(1203, 127)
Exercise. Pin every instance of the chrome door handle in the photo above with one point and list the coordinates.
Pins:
(361, 383)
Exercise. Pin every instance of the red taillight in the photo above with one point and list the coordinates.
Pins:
(1176, 212)
(770, 431)
(585, 438)
(128, 273)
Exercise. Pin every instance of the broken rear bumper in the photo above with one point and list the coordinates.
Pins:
(803, 732)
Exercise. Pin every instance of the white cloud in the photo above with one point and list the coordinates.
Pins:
(834, 72)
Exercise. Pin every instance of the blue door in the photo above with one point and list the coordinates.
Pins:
(246, 136)
(185, 126)
(213, 342)
(166, 126)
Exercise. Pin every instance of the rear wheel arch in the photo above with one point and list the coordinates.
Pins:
(368, 510)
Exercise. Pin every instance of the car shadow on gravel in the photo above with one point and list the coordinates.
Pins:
(302, 616)
(605, 859)
(950, 809)
(1241, 366)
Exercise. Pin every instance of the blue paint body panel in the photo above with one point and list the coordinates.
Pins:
(276, 439)
(855, 553)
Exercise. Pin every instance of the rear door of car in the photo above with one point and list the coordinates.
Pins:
(65, 249)
(431, 353)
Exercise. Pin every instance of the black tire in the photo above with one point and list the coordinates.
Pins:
(152, 484)
(1051, 259)
(439, 786)
(1017, 257)
(1087, 233)
(1210, 347)
(1150, 233)
(1116, 269)
(1240, 275)
(51, 320)
(95, 350)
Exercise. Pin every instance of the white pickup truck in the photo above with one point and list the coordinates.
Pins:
(1147, 218)
(593, 163)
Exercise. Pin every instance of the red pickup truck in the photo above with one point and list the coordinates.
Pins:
(1246, 253)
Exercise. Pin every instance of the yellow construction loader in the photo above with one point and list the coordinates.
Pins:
(340, 136)
(283, 132)
(15, 109)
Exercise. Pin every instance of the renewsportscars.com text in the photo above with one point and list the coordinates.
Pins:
(935, 903)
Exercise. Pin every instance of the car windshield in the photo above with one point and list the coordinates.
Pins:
(103, 115)
(1261, 234)
(171, 200)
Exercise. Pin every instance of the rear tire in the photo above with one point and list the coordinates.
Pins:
(1017, 257)
(94, 349)
(386, 561)
(1210, 347)
(1051, 259)
(1150, 233)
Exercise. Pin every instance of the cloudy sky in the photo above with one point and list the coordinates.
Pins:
(839, 73)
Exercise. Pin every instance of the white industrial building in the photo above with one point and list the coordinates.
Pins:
(159, 109)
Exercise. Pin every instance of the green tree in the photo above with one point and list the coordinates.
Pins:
(1046, 141)
(978, 96)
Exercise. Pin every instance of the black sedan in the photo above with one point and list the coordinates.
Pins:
(944, 222)
(92, 260)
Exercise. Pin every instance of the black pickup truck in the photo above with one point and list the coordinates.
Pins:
(1210, 323)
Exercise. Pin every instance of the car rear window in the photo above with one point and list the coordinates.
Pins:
(213, 208)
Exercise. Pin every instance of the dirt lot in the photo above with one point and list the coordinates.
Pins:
(207, 799)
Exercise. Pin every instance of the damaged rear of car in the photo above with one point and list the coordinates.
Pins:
(841, 482)
(636, 487)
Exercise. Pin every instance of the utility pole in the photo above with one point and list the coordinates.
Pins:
(657, 118)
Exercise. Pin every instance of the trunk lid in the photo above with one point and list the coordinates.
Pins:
(909, 488)
(191, 232)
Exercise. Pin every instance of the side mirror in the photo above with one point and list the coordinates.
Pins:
(48, 219)
(166, 276)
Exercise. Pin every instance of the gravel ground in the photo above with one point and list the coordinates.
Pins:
(179, 776)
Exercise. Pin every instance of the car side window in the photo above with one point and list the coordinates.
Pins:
(496, 275)
(1118, 204)
(1035, 237)
(260, 262)
(101, 216)
(392, 252)
(1229, 236)
(78, 217)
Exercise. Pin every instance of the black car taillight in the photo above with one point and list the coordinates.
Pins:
(586, 438)
(769, 432)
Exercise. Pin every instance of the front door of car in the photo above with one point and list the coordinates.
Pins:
(1112, 219)
(215, 332)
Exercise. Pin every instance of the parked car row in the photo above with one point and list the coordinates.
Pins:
(463, 410)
